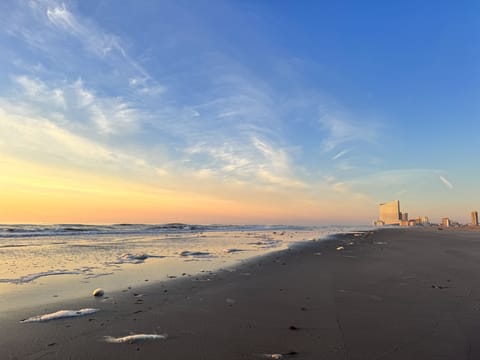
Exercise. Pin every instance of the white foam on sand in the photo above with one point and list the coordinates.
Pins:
(94, 276)
(131, 339)
(133, 258)
(60, 315)
(32, 277)
(266, 244)
(129, 258)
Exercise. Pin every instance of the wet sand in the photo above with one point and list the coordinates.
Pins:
(392, 294)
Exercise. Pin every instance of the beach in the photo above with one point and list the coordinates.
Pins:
(403, 293)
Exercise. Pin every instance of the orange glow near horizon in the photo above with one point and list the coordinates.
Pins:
(32, 193)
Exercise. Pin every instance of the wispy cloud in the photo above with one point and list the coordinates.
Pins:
(340, 154)
(445, 182)
(75, 106)
(96, 41)
(231, 126)
(257, 161)
(40, 140)
(36, 90)
(383, 185)
(340, 130)
(340, 187)
(105, 45)
(239, 152)
(210, 117)
(59, 34)
(398, 177)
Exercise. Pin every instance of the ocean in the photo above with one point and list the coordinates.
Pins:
(44, 263)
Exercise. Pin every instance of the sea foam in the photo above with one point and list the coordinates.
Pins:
(32, 277)
(133, 259)
(131, 339)
(128, 258)
(60, 315)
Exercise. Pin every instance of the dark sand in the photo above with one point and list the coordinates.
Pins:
(395, 294)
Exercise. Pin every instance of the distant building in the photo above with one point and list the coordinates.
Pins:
(446, 222)
(423, 220)
(474, 218)
(412, 222)
(389, 213)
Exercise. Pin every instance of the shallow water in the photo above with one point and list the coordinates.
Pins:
(40, 264)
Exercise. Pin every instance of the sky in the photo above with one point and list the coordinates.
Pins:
(265, 112)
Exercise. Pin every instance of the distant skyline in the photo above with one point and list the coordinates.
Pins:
(309, 112)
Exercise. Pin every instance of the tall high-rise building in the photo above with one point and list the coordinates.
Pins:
(446, 222)
(390, 213)
(474, 218)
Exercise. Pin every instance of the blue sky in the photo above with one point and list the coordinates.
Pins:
(320, 109)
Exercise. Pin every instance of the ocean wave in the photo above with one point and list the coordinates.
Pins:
(176, 226)
(30, 230)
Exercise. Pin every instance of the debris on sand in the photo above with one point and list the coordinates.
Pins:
(60, 315)
(135, 338)
(233, 250)
(273, 356)
(194, 253)
(279, 356)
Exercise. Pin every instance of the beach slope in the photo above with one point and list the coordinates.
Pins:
(388, 294)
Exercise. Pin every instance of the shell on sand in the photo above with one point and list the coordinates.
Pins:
(98, 292)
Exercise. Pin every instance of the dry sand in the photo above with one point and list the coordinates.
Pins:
(392, 294)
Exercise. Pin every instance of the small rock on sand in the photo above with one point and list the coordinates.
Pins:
(98, 292)
(273, 356)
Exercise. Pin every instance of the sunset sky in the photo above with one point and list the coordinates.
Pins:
(238, 111)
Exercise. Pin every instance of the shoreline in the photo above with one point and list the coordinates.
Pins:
(388, 294)
(206, 271)
(149, 259)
